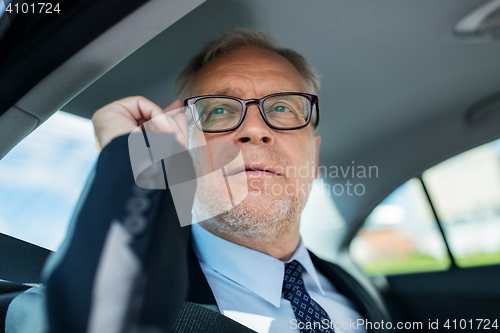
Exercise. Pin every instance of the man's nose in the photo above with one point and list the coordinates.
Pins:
(254, 129)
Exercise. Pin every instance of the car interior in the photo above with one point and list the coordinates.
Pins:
(410, 89)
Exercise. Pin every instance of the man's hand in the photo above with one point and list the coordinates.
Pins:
(123, 116)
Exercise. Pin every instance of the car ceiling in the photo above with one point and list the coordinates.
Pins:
(396, 80)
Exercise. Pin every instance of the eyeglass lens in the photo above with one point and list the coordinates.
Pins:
(219, 113)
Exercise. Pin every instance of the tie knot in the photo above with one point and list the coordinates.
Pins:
(293, 268)
(292, 281)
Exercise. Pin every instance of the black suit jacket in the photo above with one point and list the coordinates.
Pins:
(170, 272)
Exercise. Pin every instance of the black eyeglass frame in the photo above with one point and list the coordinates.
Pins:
(313, 100)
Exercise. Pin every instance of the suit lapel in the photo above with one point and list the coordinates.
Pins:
(351, 288)
(200, 312)
(199, 289)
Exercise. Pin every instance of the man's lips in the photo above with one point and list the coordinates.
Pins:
(257, 170)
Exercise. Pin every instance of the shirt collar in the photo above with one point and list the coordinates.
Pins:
(256, 271)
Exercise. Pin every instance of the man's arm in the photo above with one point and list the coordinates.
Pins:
(114, 271)
(111, 275)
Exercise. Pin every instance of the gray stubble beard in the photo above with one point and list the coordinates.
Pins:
(269, 222)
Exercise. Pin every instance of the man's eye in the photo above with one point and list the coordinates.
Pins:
(280, 109)
(218, 110)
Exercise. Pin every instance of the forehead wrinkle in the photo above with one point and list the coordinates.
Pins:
(244, 69)
(239, 84)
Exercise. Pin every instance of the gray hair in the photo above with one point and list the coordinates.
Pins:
(243, 37)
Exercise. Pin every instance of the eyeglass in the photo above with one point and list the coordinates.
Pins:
(281, 111)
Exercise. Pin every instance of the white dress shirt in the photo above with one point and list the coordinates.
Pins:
(247, 285)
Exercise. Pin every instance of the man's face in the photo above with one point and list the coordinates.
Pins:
(276, 198)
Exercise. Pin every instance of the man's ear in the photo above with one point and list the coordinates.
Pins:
(318, 142)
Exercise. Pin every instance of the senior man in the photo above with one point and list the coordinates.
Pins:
(244, 89)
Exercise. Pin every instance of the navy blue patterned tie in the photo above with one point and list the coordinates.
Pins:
(309, 314)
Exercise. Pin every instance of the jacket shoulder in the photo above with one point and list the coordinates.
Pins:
(365, 296)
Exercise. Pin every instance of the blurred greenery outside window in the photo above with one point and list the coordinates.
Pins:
(401, 235)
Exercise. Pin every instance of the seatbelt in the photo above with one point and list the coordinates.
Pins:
(20, 261)
(195, 318)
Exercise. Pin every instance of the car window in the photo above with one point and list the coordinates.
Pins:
(321, 225)
(2, 8)
(465, 191)
(401, 235)
(460, 196)
(42, 177)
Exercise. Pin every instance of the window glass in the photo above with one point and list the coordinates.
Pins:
(321, 224)
(42, 177)
(401, 235)
(465, 191)
(2, 7)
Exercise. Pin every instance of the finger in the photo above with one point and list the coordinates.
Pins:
(181, 120)
(140, 107)
(177, 130)
(175, 108)
(166, 124)
(162, 123)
